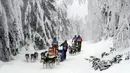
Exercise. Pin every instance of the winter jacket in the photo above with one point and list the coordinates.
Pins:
(54, 42)
(65, 46)
(74, 39)
(79, 39)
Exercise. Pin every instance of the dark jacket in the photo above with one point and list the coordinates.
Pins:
(55, 42)
(65, 45)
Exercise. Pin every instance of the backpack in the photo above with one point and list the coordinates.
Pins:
(79, 39)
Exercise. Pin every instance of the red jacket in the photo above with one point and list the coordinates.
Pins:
(79, 40)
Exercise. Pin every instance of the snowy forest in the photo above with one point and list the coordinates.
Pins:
(109, 18)
(25, 23)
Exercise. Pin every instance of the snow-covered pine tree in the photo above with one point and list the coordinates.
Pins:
(112, 17)
(31, 22)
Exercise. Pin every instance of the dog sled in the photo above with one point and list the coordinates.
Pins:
(49, 59)
(75, 48)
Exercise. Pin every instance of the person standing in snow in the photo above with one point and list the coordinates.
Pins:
(54, 46)
(65, 47)
(79, 42)
(74, 40)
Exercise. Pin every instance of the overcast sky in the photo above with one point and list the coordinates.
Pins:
(77, 9)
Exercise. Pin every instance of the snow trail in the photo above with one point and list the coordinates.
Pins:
(73, 64)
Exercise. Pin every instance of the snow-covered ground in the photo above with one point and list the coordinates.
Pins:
(73, 64)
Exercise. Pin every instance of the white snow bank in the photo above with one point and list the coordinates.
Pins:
(96, 49)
